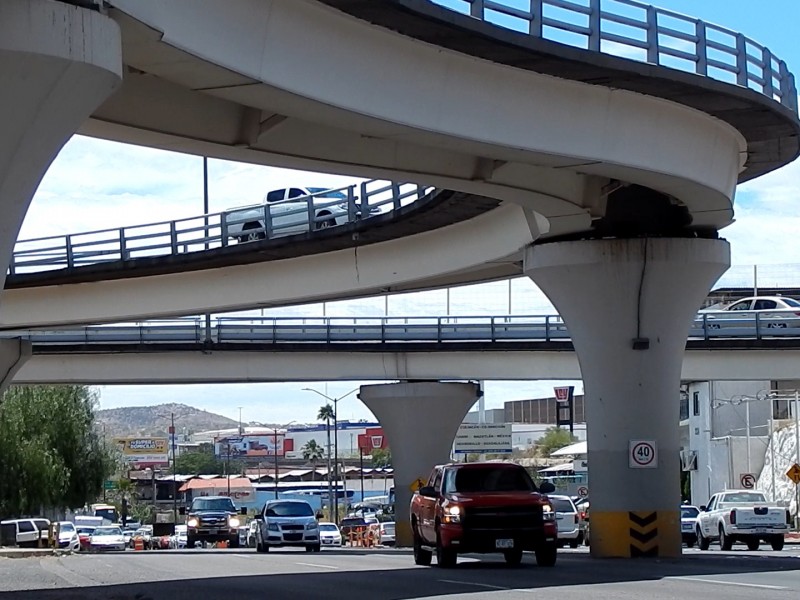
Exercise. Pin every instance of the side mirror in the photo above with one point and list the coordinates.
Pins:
(547, 487)
(704, 508)
(182, 510)
(243, 511)
(428, 491)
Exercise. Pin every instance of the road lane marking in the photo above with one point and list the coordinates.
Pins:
(318, 566)
(761, 586)
(481, 585)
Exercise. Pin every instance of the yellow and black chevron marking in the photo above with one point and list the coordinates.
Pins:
(632, 534)
(643, 533)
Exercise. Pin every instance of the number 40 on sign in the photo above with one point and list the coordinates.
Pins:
(642, 454)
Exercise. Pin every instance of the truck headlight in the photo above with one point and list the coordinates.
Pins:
(310, 526)
(192, 522)
(233, 522)
(452, 514)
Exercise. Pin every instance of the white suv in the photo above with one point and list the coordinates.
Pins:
(287, 523)
(567, 519)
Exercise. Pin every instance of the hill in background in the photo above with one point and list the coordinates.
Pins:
(155, 420)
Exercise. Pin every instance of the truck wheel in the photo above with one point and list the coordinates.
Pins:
(324, 224)
(513, 557)
(777, 542)
(248, 235)
(446, 558)
(725, 541)
(421, 556)
(546, 555)
(702, 541)
(753, 545)
(574, 543)
(233, 542)
(190, 542)
(309, 548)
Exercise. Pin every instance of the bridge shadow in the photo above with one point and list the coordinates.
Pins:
(377, 581)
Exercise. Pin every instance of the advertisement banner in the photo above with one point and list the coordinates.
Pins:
(140, 452)
(249, 446)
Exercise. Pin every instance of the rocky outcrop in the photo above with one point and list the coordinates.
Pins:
(782, 449)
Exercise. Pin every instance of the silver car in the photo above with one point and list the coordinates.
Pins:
(568, 520)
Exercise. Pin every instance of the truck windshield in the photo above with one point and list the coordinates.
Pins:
(472, 480)
(289, 509)
(743, 498)
(220, 504)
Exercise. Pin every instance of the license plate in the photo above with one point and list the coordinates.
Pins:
(759, 530)
(212, 531)
(687, 528)
(504, 543)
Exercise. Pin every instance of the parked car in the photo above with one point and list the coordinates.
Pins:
(179, 539)
(68, 536)
(146, 535)
(85, 535)
(354, 524)
(689, 516)
(568, 520)
(252, 534)
(288, 212)
(288, 523)
(387, 533)
(30, 532)
(329, 534)
(127, 533)
(107, 538)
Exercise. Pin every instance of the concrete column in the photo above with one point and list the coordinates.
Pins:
(13, 354)
(420, 420)
(58, 63)
(628, 304)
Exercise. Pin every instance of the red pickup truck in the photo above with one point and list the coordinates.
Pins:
(482, 508)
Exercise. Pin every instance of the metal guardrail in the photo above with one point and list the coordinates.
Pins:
(270, 220)
(341, 331)
(642, 32)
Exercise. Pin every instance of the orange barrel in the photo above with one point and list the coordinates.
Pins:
(138, 543)
(222, 544)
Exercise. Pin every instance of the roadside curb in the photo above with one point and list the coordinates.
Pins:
(32, 552)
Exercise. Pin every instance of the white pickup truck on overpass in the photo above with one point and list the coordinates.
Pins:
(741, 516)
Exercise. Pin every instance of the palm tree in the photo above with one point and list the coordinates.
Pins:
(326, 414)
(312, 452)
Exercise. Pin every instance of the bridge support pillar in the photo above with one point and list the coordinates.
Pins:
(58, 63)
(13, 354)
(420, 420)
(628, 304)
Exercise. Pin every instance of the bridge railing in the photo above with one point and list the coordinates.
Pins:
(344, 331)
(203, 232)
(642, 32)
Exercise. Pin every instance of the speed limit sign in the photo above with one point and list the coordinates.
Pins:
(642, 454)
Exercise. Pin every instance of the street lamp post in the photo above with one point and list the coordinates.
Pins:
(335, 401)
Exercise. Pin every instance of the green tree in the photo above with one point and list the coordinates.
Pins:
(312, 452)
(553, 439)
(382, 458)
(326, 414)
(205, 463)
(49, 449)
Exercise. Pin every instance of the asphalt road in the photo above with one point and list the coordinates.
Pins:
(391, 575)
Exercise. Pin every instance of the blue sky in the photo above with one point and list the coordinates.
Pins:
(118, 185)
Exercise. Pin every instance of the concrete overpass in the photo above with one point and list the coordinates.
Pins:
(614, 176)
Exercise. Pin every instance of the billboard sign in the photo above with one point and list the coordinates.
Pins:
(141, 452)
(484, 438)
(249, 446)
(372, 439)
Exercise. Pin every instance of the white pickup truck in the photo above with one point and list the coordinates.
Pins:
(287, 211)
(741, 516)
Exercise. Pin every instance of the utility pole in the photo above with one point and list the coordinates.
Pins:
(174, 470)
(228, 468)
(275, 431)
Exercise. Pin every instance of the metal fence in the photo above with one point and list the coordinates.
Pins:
(642, 32)
(304, 213)
(346, 331)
